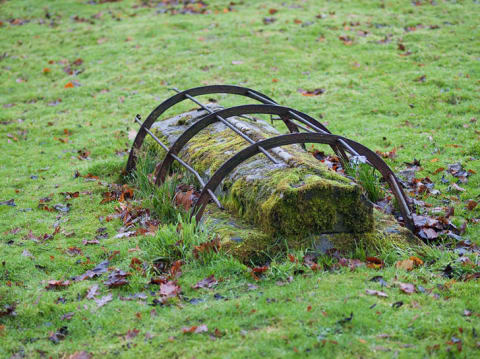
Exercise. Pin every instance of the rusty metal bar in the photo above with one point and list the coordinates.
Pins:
(229, 125)
(183, 163)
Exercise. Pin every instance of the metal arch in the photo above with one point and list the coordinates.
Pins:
(161, 170)
(289, 139)
(172, 101)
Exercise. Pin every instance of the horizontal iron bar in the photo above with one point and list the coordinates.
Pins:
(229, 125)
(137, 119)
(182, 162)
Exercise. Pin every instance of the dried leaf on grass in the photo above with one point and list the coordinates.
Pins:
(104, 300)
(407, 288)
(376, 293)
(207, 282)
(116, 278)
(57, 284)
(409, 264)
(195, 329)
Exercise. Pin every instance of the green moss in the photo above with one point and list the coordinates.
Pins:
(249, 244)
(292, 202)
(222, 144)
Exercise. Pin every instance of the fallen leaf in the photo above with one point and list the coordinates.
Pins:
(9, 310)
(347, 40)
(95, 272)
(314, 92)
(92, 291)
(131, 333)
(68, 316)
(116, 278)
(103, 300)
(195, 329)
(59, 335)
(207, 247)
(26, 253)
(375, 263)
(10, 202)
(456, 187)
(406, 288)
(169, 289)
(207, 282)
(376, 293)
(57, 284)
(80, 355)
(471, 204)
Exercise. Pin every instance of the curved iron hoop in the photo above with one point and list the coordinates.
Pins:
(161, 170)
(289, 139)
(196, 91)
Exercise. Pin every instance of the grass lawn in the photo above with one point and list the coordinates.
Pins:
(73, 73)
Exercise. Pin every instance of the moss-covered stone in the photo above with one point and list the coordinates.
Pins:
(300, 197)
(270, 207)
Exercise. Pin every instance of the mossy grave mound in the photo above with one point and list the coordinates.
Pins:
(300, 203)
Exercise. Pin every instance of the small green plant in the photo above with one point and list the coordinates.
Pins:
(366, 176)
(175, 241)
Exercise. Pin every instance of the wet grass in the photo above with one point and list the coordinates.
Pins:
(420, 97)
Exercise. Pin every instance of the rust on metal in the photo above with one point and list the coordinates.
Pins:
(295, 121)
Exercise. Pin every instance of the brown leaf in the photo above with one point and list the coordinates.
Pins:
(186, 198)
(169, 289)
(390, 154)
(422, 78)
(376, 293)
(406, 288)
(68, 316)
(207, 247)
(80, 355)
(116, 278)
(136, 264)
(456, 187)
(8, 310)
(347, 40)
(195, 329)
(57, 284)
(406, 264)
(131, 333)
(375, 263)
(207, 282)
(92, 291)
(314, 92)
(95, 272)
(260, 270)
(59, 335)
(175, 270)
(103, 300)
(350, 263)
(471, 204)
(428, 233)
